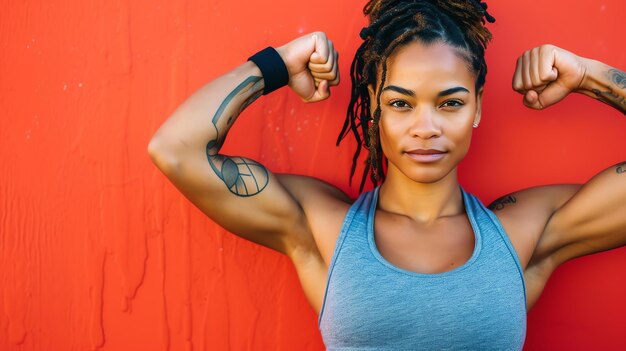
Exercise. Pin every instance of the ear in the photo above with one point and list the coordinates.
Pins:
(479, 99)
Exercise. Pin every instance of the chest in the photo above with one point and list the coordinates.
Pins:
(439, 317)
(434, 248)
(416, 301)
(479, 307)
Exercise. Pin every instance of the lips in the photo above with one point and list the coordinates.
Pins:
(425, 151)
(426, 155)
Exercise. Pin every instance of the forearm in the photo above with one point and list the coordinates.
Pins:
(201, 123)
(605, 83)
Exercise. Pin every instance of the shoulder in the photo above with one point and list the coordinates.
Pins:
(525, 213)
(538, 197)
(314, 194)
(324, 205)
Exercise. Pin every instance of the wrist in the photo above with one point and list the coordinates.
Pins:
(593, 77)
(284, 55)
(273, 69)
(282, 52)
(604, 83)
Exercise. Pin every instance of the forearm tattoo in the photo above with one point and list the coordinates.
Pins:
(620, 168)
(501, 202)
(617, 77)
(242, 176)
(609, 96)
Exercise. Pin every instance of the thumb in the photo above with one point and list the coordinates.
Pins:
(552, 94)
(531, 99)
(321, 93)
(320, 50)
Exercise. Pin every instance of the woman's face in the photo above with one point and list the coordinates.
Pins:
(428, 107)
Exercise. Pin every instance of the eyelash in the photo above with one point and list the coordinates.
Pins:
(459, 103)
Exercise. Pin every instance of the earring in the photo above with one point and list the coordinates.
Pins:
(475, 125)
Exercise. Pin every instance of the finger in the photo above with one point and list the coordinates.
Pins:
(336, 70)
(333, 82)
(324, 76)
(322, 92)
(547, 72)
(330, 71)
(535, 61)
(327, 65)
(320, 52)
(526, 71)
(318, 81)
(518, 84)
(331, 53)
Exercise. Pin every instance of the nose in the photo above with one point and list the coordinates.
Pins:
(424, 124)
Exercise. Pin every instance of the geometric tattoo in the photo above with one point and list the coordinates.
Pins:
(242, 176)
(621, 168)
(499, 203)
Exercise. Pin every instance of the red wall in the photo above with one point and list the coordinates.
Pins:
(98, 249)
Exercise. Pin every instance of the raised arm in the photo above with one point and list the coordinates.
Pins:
(238, 193)
(593, 219)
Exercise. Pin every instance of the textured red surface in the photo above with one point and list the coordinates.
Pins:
(98, 249)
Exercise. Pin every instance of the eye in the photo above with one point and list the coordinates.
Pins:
(453, 103)
(400, 104)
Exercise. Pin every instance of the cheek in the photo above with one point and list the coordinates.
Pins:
(460, 136)
(389, 136)
(383, 140)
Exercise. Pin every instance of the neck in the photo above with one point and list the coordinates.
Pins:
(423, 202)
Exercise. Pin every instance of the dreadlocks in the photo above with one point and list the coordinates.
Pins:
(393, 23)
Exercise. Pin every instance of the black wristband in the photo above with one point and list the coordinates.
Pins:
(273, 69)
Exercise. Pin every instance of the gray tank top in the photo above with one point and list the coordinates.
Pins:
(370, 304)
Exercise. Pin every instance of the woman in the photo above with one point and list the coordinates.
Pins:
(417, 263)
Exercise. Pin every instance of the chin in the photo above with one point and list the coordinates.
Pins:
(426, 173)
(427, 176)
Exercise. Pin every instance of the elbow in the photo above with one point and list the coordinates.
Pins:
(155, 148)
(162, 155)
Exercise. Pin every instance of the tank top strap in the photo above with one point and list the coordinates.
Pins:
(489, 223)
(354, 223)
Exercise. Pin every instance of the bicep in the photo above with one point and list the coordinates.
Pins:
(239, 194)
(593, 220)
(524, 215)
(325, 206)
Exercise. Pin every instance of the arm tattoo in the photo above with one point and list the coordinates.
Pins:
(243, 177)
(621, 168)
(617, 77)
(499, 203)
(610, 97)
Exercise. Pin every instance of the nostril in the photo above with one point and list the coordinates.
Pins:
(425, 128)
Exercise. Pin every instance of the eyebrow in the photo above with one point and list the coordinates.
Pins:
(412, 93)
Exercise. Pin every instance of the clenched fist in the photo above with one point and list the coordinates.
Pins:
(546, 74)
(312, 64)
